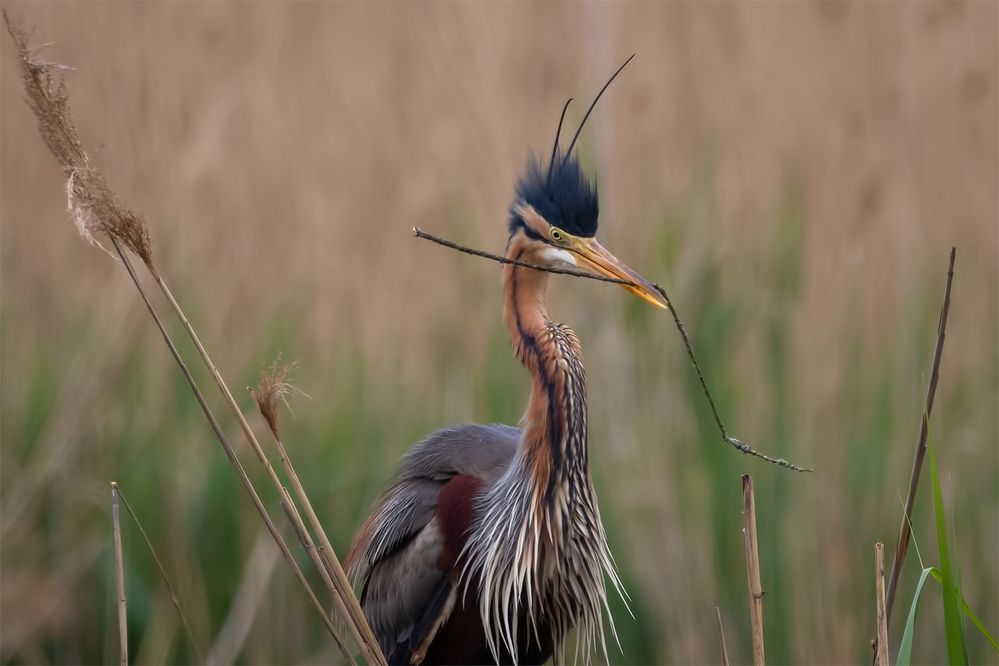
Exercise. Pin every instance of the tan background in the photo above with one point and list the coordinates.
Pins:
(794, 174)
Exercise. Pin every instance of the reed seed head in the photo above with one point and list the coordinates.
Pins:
(92, 205)
(273, 391)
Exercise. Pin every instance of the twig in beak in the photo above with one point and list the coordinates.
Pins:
(738, 444)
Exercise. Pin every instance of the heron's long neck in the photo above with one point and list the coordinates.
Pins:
(538, 538)
(554, 438)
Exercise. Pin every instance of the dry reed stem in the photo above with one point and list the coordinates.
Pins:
(736, 443)
(355, 618)
(721, 638)
(119, 569)
(905, 531)
(271, 392)
(305, 539)
(753, 569)
(231, 455)
(95, 209)
(881, 658)
(163, 574)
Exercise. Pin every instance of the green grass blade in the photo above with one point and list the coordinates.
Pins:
(905, 647)
(970, 614)
(957, 650)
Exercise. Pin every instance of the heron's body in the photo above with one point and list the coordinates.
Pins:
(493, 520)
(488, 547)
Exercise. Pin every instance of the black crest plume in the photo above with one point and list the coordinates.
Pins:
(558, 133)
(561, 193)
(596, 99)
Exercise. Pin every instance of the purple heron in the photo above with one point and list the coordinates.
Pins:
(488, 546)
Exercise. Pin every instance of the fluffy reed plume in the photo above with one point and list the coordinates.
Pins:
(94, 207)
(119, 570)
(96, 210)
(272, 391)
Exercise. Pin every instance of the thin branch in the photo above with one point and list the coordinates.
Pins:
(163, 574)
(721, 638)
(737, 443)
(119, 567)
(905, 531)
(420, 233)
(753, 569)
(231, 454)
(728, 439)
(881, 658)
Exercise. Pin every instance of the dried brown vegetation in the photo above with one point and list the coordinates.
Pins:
(95, 209)
(93, 206)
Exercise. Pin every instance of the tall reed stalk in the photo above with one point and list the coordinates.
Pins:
(753, 570)
(174, 599)
(328, 566)
(272, 390)
(231, 455)
(96, 211)
(721, 638)
(119, 569)
(905, 530)
(881, 657)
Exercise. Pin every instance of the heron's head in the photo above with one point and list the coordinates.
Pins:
(553, 223)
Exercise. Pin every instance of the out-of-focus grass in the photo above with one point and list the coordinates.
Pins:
(346, 439)
(760, 181)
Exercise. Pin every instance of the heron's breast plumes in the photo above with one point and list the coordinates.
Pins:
(537, 550)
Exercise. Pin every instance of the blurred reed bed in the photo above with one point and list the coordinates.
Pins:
(797, 197)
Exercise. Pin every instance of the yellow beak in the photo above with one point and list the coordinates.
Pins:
(596, 259)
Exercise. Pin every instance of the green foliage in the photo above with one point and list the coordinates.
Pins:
(668, 488)
(957, 650)
(905, 646)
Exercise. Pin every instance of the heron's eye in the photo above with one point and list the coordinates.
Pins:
(557, 234)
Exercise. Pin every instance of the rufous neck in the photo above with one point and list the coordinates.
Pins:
(524, 310)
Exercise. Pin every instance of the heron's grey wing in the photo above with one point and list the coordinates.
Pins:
(395, 554)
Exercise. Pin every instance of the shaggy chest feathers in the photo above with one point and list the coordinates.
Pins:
(536, 553)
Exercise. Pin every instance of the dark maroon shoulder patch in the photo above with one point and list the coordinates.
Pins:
(455, 513)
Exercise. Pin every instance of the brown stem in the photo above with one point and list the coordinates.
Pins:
(737, 443)
(354, 616)
(96, 209)
(326, 552)
(753, 569)
(881, 658)
(316, 555)
(721, 638)
(119, 568)
(163, 574)
(231, 455)
(905, 531)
